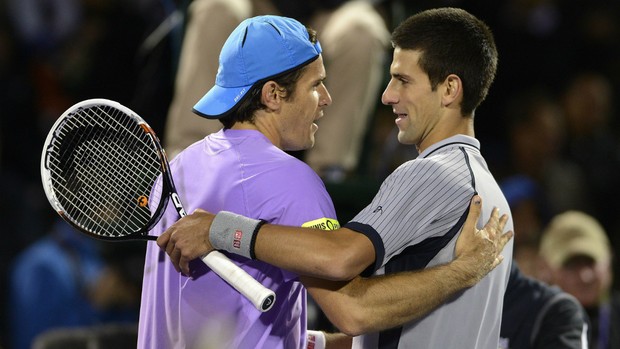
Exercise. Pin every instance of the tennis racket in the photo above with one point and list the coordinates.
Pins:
(100, 168)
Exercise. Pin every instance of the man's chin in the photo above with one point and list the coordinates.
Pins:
(302, 147)
(403, 139)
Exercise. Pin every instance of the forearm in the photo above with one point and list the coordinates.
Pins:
(378, 303)
(331, 255)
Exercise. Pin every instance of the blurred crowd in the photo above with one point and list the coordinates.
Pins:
(550, 128)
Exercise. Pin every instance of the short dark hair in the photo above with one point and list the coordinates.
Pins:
(452, 41)
(247, 107)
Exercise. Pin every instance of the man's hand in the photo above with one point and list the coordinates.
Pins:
(187, 239)
(479, 251)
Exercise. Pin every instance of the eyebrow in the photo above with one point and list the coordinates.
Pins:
(400, 76)
(319, 80)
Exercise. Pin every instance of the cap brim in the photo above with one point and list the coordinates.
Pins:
(220, 101)
(579, 247)
(585, 248)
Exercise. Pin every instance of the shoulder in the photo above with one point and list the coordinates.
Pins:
(292, 179)
(43, 252)
(443, 165)
(43, 263)
(561, 317)
(280, 166)
(564, 307)
(287, 191)
(441, 175)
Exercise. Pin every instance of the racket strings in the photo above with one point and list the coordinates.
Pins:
(101, 153)
(118, 163)
(93, 181)
(105, 179)
(87, 206)
(120, 168)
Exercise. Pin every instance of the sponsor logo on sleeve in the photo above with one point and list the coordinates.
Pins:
(323, 224)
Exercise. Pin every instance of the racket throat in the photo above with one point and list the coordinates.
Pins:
(177, 204)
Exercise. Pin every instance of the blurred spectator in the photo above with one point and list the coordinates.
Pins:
(354, 38)
(593, 31)
(156, 62)
(76, 49)
(577, 257)
(42, 26)
(539, 316)
(530, 213)
(22, 199)
(64, 280)
(537, 181)
(537, 135)
(592, 142)
(52, 54)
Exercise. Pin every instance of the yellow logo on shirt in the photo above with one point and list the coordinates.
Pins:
(322, 223)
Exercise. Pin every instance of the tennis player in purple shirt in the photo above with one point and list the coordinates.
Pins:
(243, 168)
(268, 94)
(241, 171)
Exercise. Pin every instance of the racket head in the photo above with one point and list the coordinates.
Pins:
(100, 167)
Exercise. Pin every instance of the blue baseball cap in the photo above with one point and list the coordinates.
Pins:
(259, 48)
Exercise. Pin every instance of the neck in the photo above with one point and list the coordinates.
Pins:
(262, 123)
(453, 125)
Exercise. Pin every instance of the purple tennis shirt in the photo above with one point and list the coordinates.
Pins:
(243, 172)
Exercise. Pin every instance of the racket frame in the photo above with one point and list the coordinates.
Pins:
(168, 187)
(261, 297)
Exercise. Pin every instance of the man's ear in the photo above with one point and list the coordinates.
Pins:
(271, 95)
(453, 90)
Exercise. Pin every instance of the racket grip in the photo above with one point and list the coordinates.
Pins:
(262, 297)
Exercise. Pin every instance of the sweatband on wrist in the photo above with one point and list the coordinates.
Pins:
(234, 233)
(316, 340)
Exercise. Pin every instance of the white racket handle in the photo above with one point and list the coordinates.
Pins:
(262, 297)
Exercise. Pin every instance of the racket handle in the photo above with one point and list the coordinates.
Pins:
(262, 297)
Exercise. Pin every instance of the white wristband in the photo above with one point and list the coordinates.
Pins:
(316, 340)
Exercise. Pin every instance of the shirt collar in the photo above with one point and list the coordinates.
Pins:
(457, 140)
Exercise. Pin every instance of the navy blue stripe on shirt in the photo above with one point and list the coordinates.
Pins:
(375, 238)
(416, 257)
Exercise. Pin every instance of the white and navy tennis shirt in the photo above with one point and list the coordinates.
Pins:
(413, 222)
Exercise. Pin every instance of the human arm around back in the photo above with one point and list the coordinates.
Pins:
(372, 304)
(323, 257)
(337, 255)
